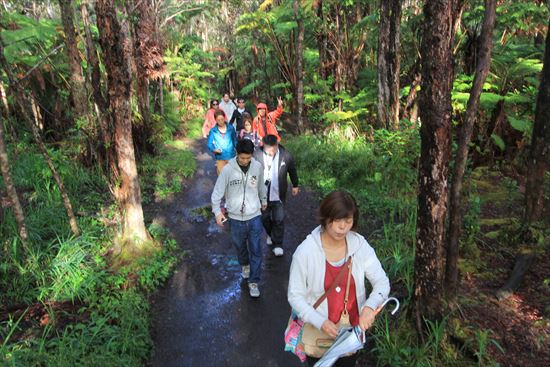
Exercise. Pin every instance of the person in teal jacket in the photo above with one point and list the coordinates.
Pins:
(222, 140)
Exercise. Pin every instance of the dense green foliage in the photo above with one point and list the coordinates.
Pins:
(61, 302)
(79, 312)
(386, 197)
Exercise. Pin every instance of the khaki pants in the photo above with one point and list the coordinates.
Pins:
(219, 165)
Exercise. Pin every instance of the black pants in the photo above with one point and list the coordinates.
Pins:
(273, 219)
(341, 362)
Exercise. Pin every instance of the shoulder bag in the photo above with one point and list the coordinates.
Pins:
(304, 339)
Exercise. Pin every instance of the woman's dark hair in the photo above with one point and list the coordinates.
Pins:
(245, 146)
(338, 205)
(213, 102)
(219, 112)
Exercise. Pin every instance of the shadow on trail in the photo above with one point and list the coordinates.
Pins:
(204, 315)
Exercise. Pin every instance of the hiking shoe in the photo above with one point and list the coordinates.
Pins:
(278, 251)
(245, 271)
(254, 290)
(268, 241)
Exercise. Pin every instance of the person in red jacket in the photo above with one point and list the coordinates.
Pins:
(264, 122)
(209, 119)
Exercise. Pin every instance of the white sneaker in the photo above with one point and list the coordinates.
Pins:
(268, 241)
(245, 271)
(278, 251)
(254, 290)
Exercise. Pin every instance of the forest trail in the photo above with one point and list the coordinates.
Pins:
(204, 315)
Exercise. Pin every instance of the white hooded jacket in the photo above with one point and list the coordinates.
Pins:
(244, 191)
(307, 277)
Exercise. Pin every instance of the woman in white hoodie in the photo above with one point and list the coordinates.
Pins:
(317, 262)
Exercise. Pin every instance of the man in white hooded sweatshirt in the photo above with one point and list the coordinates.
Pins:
(241, 182)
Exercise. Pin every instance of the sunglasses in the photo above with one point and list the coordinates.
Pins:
(215, 104)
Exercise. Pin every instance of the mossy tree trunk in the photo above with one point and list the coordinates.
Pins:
(435, 113)
(100, 102)
(464, 138)
(116, 59)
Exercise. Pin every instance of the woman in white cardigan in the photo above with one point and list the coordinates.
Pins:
(318, 260)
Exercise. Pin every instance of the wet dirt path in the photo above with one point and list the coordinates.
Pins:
(204, 315)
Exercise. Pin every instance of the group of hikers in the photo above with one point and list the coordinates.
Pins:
(326, 288)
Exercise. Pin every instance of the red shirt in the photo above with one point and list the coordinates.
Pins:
(336, 299)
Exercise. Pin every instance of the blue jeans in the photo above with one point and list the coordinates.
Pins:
(246, 239)
(273, 219)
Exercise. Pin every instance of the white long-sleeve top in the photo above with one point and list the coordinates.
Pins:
(307, 277)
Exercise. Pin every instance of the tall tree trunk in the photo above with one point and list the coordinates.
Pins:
(299, 65)
(116, 57)
(10, 188)
(322, 41)
(100, 102)
(539, 154)
(464, 138)
(148, 62)
(389, 64)
(383, 50)
(435, 113)
(78, 87)
(23, 104)
(394, 62)
(142, 30)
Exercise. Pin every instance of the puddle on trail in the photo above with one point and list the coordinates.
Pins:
(196, 215)
(190, 216)
(217, 275)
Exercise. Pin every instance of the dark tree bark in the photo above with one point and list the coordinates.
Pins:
(322, 42)
(394, 62)
(78, 86)
(144, 51)
(464, 138)
(539, 153)
(100, 102)
(10, 188)
(93, 60)
(389, 64)
(383, 50)
(435, 113)
(299, 66)
(23, 105)
(116, 57)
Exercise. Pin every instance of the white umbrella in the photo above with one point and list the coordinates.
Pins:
(349, 340)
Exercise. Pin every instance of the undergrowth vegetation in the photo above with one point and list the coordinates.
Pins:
(163, 173)
(62, 304)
